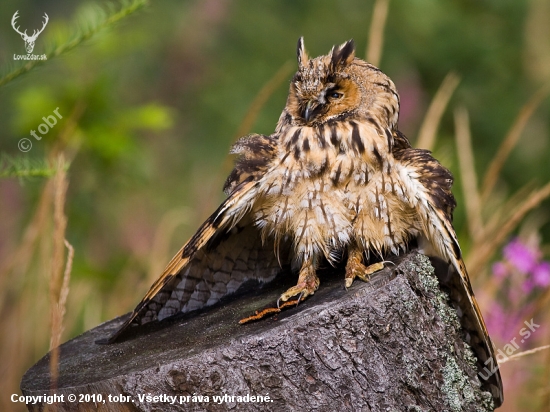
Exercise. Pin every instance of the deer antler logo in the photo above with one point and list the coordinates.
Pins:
(29, 40)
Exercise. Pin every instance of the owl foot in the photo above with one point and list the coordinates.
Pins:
(308, 282)
(356, 269)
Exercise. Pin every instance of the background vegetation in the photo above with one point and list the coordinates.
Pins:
(152, 94)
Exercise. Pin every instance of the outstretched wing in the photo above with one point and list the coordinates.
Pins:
(430, 185)
(226, 252)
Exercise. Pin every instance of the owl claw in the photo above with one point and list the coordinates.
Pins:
(302, 289)
(308, 282)
(355, 269)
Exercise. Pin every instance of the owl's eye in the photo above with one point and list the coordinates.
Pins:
(335, 95)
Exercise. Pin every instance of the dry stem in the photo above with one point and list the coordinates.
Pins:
(492, 241)
(376, 32)
(522, 354)
(511, 140)
(59, 279)
(261, 98)
(430, 125)
(468, 173)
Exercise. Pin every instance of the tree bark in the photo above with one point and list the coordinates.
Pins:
(392, 344)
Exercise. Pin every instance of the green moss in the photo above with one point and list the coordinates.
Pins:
(426, 275)
(454, 383)
(461, 392)
(415, 408)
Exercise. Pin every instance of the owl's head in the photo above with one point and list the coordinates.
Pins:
(339, 85)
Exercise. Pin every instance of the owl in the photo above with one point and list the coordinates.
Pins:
(336, 181)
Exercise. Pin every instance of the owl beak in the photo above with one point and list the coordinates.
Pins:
(311, 110)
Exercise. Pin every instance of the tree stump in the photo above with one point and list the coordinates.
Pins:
(392, 344)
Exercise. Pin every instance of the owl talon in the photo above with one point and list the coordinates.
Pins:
(308, 282)
(302, 289)
(356, 269)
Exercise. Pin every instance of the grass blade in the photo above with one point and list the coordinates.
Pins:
(511, 140)
(468, 173)
(430, 125)
(376, 33)
(81, 36)
(262, 97)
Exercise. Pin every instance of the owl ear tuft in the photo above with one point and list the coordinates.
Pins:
(343, 54)
(301, 53)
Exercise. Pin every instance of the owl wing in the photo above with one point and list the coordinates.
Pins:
(430, 185)
(226, 251)
(255, 153)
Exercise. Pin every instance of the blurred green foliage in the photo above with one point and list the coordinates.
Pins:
(156, 99)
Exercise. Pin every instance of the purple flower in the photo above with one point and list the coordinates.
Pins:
(521, 256)
(528, 285)
(541, 274)
(496, 320)
(500, 270)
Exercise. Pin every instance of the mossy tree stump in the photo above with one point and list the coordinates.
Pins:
(391, 344)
